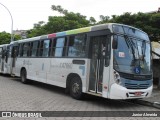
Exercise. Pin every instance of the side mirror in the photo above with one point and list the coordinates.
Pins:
(115, 42)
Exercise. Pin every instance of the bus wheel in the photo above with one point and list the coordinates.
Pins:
(76, 88)
(24, 76)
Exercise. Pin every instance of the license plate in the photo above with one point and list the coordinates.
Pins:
(138, 93)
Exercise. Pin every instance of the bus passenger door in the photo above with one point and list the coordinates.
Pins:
(98, 74)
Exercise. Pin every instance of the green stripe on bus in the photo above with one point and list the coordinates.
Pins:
(76, 31)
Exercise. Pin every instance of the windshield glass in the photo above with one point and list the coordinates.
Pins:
(130, 32)
(132, 56)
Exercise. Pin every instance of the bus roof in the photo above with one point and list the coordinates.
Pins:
(3, 45)
(75, 31)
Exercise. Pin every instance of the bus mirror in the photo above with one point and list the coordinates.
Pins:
(115, 42)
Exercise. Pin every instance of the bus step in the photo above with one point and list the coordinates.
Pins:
(13, 75)
(93, 93)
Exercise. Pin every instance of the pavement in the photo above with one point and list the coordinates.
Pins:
(154, 100)
(15, 96)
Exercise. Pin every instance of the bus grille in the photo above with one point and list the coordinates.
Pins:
(137, 77)
(136, 86)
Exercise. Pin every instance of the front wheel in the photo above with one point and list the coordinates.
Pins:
(24, 76)
(76, 88)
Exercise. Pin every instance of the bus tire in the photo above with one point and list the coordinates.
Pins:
(24, 76)
(76, 88)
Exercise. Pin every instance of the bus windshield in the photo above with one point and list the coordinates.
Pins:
(132, 55)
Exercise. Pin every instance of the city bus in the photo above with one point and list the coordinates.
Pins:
(5, 59)
(108, 60)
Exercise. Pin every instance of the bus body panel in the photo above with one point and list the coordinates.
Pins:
(121, 92)
(52, 71)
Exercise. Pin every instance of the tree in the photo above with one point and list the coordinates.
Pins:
(37, 30)
(5, 38)
(104, 19)
(92, 20)
(68, 21)
(147, 22)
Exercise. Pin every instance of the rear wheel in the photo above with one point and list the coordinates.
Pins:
(76, 88)
(24, 76)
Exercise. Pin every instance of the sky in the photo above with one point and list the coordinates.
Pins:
(27, 12)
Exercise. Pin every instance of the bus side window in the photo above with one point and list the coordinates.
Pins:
(17, 51)
(60, 46)
(25, 49)
(34, 48)
(53, 47)
(77, 45)
(29, 49)
(0, 51)
(20, 50)
(44, 48)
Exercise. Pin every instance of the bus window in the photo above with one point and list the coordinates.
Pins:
(25, 49)
(0, 51)
(60, 43)
(20, 50)
(34, 49)
(76, 47)
(7, 53)
(44, 48)
(45, 52)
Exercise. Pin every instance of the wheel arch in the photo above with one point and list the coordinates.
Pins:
(69, 78)
(23, 68)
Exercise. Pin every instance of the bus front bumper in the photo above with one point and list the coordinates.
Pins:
(119, 92)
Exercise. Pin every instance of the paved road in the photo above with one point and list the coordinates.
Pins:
(15, 96)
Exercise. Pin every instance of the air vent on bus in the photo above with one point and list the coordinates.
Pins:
(136, 86)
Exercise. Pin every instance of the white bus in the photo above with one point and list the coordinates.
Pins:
(108, 60)
(5, 59)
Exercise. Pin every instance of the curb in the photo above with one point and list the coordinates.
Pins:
(150, 104)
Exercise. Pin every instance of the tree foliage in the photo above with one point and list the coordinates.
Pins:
(68, 20)
(150, 23)
(5, 38)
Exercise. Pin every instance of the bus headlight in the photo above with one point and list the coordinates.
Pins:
(117, 77)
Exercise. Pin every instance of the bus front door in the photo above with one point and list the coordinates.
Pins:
(97, 47)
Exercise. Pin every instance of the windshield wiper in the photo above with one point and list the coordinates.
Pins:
(133, 48)
(130, 45)
(143, 49)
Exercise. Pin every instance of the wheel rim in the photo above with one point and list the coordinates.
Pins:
(75, 88)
